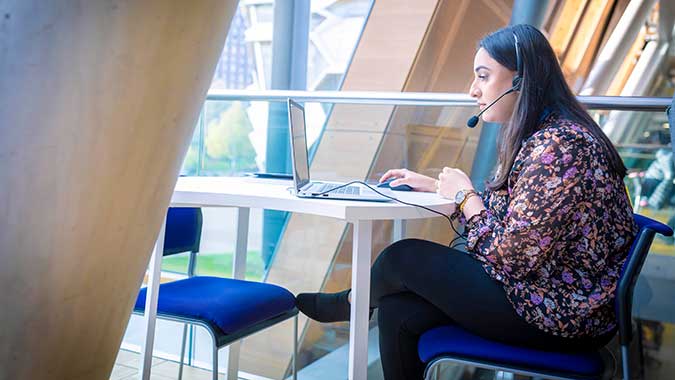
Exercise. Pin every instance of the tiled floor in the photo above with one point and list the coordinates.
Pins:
(127, 363)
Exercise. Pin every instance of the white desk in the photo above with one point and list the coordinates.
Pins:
(246, 193)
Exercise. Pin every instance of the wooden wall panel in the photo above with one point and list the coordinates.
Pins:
(586, 42)
(565, 26)
(98, 100)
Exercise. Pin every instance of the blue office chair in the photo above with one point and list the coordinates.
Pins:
(183, 233)
(453, 344)
(228, 309)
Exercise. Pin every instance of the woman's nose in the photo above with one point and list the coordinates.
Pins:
(474, 92)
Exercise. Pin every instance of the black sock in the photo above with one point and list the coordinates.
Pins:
(326, 307)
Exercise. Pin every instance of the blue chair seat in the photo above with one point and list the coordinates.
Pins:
(231, 305)
(456, 342)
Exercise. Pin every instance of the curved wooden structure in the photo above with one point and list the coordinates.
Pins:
(98, 100)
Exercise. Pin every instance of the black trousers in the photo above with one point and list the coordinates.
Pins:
(418, 285)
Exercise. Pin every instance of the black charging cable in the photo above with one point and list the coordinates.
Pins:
(459, 235)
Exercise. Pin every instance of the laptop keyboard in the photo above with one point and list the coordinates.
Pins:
(351, 190)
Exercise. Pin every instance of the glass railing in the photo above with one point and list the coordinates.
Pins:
(231, 136)
(624, 103)
(361, 135)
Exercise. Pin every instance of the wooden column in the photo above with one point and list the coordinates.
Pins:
(98, 100)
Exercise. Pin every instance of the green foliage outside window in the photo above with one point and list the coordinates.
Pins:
(228, 146)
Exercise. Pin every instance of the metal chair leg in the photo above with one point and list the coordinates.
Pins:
(431, 372)
(233, 360)
(192, 263)
(640, 347)
(182, 352)
(295, 347)
(192, 260)
(624, 362)
(215, 361)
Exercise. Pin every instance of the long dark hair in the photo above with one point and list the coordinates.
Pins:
(543, 87)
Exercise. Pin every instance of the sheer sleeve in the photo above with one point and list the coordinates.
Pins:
(542, 192)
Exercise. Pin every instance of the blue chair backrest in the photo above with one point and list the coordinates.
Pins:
(671, 121)
(183, 230)
(631, 269)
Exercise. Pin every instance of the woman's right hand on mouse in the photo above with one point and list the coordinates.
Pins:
(417, 181)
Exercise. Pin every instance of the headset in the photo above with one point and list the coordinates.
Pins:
(515, 85)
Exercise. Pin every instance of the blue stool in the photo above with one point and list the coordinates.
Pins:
(228, 309)
(453, 344)
(183, 234)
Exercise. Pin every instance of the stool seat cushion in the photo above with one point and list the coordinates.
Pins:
(453, 341)
(230, 304)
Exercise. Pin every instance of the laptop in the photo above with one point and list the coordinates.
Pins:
(305, 188)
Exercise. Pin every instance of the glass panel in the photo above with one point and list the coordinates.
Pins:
(192, 163)
(236, 68)
(335, 29)
(332, 43)
(228, 149)
(643, 141)
(264, 12)
(245, 60)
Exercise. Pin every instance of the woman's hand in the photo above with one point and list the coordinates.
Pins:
(451, 181)
(417, 181)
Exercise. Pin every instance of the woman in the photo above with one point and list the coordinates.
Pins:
(545, 241)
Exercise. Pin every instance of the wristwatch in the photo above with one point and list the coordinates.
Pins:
(462, 196)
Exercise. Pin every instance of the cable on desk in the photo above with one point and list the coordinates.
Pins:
(459, 235)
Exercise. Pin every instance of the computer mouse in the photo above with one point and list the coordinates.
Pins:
(395, 188)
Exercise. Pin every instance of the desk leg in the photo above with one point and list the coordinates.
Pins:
(151, 298)
(358, 327)
(238, 272)
(399, 230)
(239, 265)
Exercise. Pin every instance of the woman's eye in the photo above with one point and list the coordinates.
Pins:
(483, 77)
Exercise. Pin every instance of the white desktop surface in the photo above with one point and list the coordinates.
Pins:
(275, 194)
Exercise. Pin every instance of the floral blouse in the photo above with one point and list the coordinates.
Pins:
(557, 236)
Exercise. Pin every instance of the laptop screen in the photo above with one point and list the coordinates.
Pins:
(296, 121)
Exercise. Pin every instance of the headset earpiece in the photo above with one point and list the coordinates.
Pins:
(516, 82)
(519, 66)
